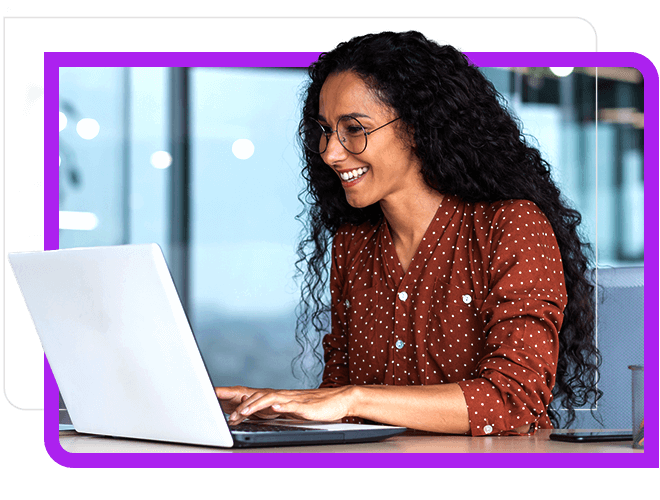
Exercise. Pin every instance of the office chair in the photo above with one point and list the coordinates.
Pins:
(620, 338)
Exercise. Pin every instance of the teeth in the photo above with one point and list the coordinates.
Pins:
(353, 174)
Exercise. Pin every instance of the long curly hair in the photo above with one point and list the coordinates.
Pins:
(470, 146)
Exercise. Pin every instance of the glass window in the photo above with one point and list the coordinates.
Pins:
(112, 120)
(245, 177)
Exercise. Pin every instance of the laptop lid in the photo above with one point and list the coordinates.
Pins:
(119, 344)
(123, 353)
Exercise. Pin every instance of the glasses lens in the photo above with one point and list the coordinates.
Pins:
(313, 136)
(352, 135)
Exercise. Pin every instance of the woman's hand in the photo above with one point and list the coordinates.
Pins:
(311, 404)
(231, 397)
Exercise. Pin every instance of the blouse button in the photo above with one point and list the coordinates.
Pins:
(347, 303)
(403, 296)
(467, 299)
(488, 429)
(399, 344)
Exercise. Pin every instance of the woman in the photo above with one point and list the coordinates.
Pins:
(459, 302)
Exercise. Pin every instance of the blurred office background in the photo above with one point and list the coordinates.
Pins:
(204, 162)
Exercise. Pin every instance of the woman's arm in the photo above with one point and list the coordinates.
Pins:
(435, 408)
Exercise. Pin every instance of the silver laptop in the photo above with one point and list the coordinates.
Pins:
(125, 358)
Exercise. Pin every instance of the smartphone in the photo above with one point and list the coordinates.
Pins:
(577, 436)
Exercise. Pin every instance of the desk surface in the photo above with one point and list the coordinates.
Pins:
(74, 442)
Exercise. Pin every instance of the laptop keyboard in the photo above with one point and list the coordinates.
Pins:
(246, 427)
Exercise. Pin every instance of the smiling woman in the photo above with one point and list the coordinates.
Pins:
(388, 173)
(459, 302)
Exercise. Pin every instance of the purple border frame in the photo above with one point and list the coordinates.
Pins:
(650, 458)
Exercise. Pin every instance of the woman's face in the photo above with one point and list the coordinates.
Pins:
(388, 169)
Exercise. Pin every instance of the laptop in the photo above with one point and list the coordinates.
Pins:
(125, 358)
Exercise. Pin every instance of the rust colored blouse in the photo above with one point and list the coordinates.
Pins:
(480, 305)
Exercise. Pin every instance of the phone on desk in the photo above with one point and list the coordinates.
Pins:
(577, 436)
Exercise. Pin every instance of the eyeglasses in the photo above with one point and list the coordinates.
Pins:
(350, 132)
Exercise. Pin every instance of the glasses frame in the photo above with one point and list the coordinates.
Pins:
(336, 131)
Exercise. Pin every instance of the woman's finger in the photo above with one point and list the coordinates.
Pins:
(229, 393)
(254, 404)
(231, 397)
(290, 408)
(258, 403)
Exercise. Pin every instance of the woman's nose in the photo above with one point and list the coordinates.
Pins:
(335, 151)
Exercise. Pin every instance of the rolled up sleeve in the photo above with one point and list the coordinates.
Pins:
(522, 316)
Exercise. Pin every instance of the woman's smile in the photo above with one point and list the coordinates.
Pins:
(352, 177)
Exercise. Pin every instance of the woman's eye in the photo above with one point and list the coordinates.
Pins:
(353, 130)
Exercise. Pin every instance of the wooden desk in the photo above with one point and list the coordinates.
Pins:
(73, 442)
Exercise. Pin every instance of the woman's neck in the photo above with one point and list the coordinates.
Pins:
(409, 218)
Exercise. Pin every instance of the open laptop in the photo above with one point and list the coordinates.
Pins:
(124, 356)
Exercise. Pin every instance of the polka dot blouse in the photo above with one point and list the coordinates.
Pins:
(480, 305)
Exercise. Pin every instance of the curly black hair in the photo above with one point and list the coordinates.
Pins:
(470, 146)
